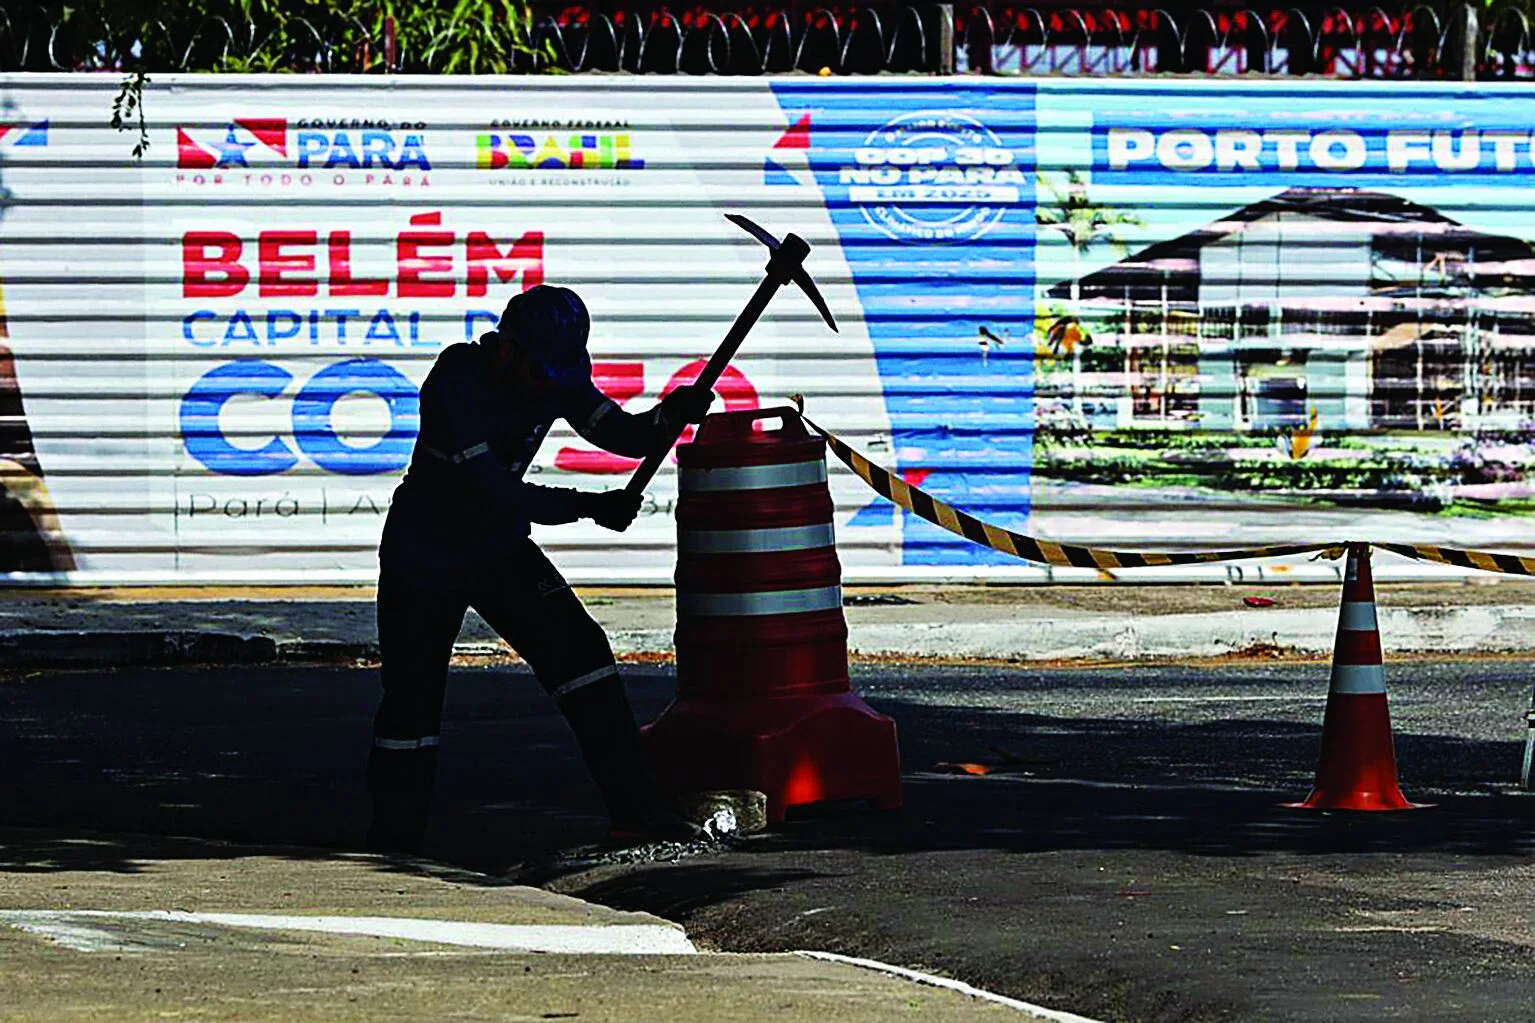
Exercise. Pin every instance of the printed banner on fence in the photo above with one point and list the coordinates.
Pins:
(1124, 314)
(1281, 311)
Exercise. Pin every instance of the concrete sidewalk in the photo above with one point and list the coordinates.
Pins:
(177, 626)
(98, 927)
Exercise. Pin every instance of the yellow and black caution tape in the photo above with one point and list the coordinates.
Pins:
(1064, 555)
(1487, 561)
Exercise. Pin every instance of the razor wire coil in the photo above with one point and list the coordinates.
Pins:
(1376, 42)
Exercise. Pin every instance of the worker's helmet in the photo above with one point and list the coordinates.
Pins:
(550, 326)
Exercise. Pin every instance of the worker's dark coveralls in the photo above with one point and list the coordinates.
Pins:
(457, 536)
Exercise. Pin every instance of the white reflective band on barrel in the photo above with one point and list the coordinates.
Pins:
(421, 743)
(755, 541)
(1357, 616)
(755, 477)
(1359, 679)
(775, 602)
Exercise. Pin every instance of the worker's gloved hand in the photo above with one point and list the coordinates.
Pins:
(687, 404)
(613, 509)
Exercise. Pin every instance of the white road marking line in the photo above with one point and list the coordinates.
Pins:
(72, 929)
(1228, 699)
(1038, 1011)
(79, 937)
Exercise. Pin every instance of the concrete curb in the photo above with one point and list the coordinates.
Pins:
(1414, 630)
(147, 648)
(23, 649)
(1422, 630)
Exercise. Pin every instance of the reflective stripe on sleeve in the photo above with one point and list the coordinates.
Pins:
(421, 743)
(581, 681)
(597, 413)
(458, 457)
(754, 541)
(755, 477)
(775, 602)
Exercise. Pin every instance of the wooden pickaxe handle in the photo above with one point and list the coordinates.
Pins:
(781, 268)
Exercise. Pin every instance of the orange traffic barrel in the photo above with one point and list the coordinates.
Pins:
(763, 697)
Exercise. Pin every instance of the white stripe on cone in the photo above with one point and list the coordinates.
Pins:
(1358, 616)
(775, 602)
(1358, 679)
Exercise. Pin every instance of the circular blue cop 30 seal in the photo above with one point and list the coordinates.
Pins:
(934, 176)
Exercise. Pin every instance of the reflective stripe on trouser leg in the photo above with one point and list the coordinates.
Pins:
(400, 785)
(581, 681)
(599, 714)
(423, 742)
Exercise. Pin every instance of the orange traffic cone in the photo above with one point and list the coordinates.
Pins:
(1357, 770)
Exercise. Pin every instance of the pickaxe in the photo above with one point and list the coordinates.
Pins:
(786, 264)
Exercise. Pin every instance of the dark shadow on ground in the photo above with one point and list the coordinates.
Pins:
(1127, 857)
(1028, 880)
(51, 850)
(275, 755)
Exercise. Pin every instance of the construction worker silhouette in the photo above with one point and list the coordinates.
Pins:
(457, 536)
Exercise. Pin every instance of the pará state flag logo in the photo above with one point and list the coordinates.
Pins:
(24, 133)
(788, 164)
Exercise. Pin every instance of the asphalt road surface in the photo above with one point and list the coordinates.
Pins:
(1125, 858)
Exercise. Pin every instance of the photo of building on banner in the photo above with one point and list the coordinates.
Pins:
(1317, 321)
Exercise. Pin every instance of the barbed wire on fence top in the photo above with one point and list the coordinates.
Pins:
(1406, 42)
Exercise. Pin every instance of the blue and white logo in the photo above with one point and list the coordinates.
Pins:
(933, 176)
(935, 212)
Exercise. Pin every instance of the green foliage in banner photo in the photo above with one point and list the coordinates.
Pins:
(1423, 474)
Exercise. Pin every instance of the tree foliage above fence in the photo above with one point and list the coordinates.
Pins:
(141, 37)
(1361, 40)
(360, 36)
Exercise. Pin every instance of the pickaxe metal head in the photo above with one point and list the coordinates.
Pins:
(787, 262)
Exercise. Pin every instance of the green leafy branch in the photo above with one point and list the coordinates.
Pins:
(141, 37)
(130, 101)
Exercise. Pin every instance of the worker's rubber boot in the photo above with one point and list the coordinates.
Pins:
(610, 741)
(400, 782)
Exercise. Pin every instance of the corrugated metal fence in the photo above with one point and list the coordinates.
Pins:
(1138, 313)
